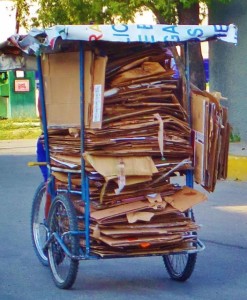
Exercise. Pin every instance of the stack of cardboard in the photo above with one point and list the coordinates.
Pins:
(211, 131)
(155, 225)
(136, 137)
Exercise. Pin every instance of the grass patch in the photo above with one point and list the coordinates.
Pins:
(14, 129)
(235, 138)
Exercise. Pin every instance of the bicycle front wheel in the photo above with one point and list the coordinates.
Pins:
(62, 220)
(39, 228)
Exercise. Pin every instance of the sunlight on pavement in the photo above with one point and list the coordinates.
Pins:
(241, 209)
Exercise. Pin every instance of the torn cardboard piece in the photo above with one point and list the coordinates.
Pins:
(185, 198)
(133, 217)
(108, 166)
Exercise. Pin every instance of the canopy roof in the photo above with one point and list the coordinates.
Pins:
(38, 41)
(140, 33)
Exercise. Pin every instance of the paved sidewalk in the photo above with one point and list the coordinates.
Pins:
(18, 146)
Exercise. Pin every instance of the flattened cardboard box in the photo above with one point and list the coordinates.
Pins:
(98, 91)
(61, 75)
(200, 115)
(62, 88)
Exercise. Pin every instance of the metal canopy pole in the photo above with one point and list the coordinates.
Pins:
(189, 173)
(50, 180)
(43, 110)
(187, 76)
(84, 177)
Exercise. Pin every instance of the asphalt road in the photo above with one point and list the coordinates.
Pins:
(220, 272)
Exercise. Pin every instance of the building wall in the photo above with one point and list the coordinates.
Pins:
(228, 63)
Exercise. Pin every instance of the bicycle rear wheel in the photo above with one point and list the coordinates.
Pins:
(181, 266)
(62, 220)
(39, 228)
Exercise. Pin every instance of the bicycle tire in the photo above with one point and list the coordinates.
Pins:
(39, 228)
(181, 266)
(62, 218)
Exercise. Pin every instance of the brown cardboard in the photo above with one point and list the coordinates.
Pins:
(147, 231)
(138, 241)
(88, 85)
(158, 249)
(210, 122)
(98, 91)
(223, 156)
(62, 88)
(147, 69)
(64, 178)
(136, 179)
(133, 166)
(119, 210)
(185, 198)
(200, 115)
(133, 217)
(116, 233)
(214, 146)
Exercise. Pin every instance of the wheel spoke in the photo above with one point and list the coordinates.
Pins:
(180, 266)
(62, 218)
(38, 223)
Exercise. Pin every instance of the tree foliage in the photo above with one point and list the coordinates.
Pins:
(22, 10)
(51, 12)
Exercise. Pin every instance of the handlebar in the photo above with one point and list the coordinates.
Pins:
(36, 163)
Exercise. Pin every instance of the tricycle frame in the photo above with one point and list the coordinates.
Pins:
(86, 254)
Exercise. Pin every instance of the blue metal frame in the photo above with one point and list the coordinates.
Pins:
(84, 177)
(43, 110)
(189, 173)
(50, 181)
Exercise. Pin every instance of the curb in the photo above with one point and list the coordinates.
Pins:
(237, 167)
(15, 147)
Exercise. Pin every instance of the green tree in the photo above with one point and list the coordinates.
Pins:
(22, 11)
(53, 12)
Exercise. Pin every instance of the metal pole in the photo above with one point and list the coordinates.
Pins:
(84, 177)
(51, 189)
(43, 110)
(189, 173)
(187, 76)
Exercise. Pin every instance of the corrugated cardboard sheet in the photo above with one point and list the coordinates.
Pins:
(62, 88)
(211, 139)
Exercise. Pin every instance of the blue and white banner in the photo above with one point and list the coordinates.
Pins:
(37, 41)
(142, 33)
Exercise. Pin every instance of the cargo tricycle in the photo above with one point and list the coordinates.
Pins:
(119, 143)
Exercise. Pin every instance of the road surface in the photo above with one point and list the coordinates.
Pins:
(220, 272)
